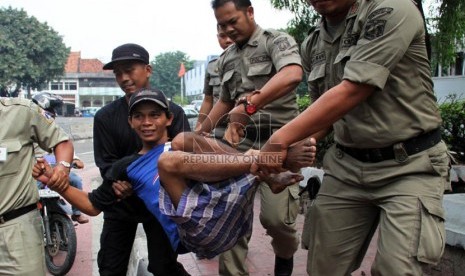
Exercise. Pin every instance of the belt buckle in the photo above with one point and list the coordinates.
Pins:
(400, 153)
(2, 220)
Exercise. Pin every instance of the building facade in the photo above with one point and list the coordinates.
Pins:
(85, 84)
(194, 79)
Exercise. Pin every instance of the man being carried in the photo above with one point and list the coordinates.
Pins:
(190, 187)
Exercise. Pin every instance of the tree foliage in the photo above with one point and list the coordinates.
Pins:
(305, 18)
(165, 72)
(447, 24)
(453, 125)
(31, 53)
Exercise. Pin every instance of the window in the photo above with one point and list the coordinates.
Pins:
(70, 86)
(56, 86)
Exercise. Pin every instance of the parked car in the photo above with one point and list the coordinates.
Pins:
(77, 112)
(191, 112)
(192, 116)
(197, 104)
(89, 111)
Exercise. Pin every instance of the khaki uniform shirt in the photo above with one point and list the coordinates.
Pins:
(23, 123)
(212, 81)
(382, 45)
(250, 68)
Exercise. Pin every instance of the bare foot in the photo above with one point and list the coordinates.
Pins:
(301, 154)
(279, 182)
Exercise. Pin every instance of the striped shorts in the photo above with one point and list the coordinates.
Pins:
(212, 217)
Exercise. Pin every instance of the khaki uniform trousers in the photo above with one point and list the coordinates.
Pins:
(22, 246)
(278, 213)
(404, 199)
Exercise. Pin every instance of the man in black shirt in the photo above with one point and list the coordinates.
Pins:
(114, 139)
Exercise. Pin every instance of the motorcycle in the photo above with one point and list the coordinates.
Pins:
(59, 235)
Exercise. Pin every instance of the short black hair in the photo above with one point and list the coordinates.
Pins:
(240, 4)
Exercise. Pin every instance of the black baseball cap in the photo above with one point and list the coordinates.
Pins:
(129, 51)
(146, 94)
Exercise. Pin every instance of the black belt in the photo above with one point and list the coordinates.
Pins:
(16, 213)
(399, 151)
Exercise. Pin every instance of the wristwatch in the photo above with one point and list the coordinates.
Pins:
(65, 164)
(250, 108)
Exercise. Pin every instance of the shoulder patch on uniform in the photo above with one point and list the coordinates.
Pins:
(262, 58)
(379, 12)
(47, 115)
(282, 43)
(374, 29)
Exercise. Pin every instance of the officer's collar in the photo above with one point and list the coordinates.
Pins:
(254, 38)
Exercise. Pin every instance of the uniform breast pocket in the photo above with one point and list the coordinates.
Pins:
(316, 80)
(215, 83)
(259, 74)
(341, 60)
(12, 164)
(229, 85)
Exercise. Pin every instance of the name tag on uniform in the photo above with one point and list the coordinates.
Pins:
(3, 154)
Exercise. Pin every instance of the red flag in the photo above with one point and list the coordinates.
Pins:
(182, 70)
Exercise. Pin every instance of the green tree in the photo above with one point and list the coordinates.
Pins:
(446, 22)
(31, 53)
(165, 72)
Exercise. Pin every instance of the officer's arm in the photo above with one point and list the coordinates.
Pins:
(218, 113)
(64, 151)
(321, 114)
(205, 109)
(281, 84)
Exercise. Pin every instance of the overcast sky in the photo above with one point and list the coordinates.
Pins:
(95, 27)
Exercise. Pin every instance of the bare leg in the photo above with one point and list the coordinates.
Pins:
(192, 142)
(279, 182)
(176, 168)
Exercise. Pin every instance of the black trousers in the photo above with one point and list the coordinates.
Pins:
(116, 241)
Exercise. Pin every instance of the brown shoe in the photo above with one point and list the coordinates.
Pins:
(81, 219)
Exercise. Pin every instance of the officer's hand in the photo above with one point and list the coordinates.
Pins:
(122, 189)
(270, 160)
(234, 134)
(238, 115)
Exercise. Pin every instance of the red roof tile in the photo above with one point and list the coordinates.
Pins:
(77, 65)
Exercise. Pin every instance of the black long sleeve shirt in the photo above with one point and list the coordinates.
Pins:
(114, 139)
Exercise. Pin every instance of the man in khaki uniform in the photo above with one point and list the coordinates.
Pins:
(259, 74)
(369, 77)
(211, 88)
(21, 228)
